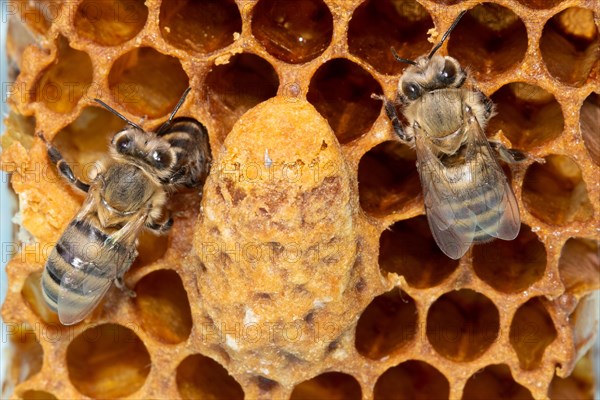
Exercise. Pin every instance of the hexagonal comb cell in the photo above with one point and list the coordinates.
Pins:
(64, 82)
(579, 265)
(146, 82)
(341, 91)
(511, 266)
(163, 306)
(200, 377)
(377, 25)
(490, 39)
(462, 325)
(540, 4)
(32, 293)
(37, 395)
(234, 88)
(328, 386)
(199, 26)
(412, 380)
(86, 140)
(555, 192)
(569, 45)
(24, 356)
(588, 123)
(531, 331)
(494, 382)
(407, 248)
(387, 179)
(38, 15)
(293, 31)
(107, 361)
(110, 23)
(387, 324)
(527, 115)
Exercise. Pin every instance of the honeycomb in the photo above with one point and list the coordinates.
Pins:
(306, 268)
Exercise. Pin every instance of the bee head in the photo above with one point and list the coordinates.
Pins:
(428, 74)
(148, 151)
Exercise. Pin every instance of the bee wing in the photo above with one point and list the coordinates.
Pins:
(89, 204)
(128, 234)
(81, 289)
(452, 225)
(498, 214)
(85, 283)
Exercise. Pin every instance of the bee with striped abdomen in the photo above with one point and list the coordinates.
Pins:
(466, 194)
(126, 194)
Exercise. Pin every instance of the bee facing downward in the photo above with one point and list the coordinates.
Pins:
(466, 194)
(127, 194)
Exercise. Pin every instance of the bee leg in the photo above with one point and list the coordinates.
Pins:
(160, 228)
(487, 104)
(121, 285)
(392, 114)
(512, 156)
(61, 165)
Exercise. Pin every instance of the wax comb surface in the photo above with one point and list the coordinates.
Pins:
(307, 268)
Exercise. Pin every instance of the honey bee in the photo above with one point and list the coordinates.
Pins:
(127, 193)
(466, 194)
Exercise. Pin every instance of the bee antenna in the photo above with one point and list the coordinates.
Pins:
(115, 112)
(168, 122)
(400, 59)
(437, 46)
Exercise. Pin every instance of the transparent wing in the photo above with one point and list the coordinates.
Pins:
(83, 284)
(89, 278)
(452, 224)
(128, 234)
(510, 223)
(470, 200)
(88, 204)
(497, 212)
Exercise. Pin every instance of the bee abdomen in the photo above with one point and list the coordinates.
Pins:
(184, 134)
(81, 253)
(479, 206)
(86, 229)
(50, 285)
(189, 139)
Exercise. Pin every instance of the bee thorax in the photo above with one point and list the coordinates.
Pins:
(440, 113)
(127, 189)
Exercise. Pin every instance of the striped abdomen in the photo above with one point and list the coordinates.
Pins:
(481, 200)
(81, 267)
(189, 139)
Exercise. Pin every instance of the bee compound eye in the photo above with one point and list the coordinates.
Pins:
(160, 159)
(124, 144)
(448, 73)
(411, 90)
